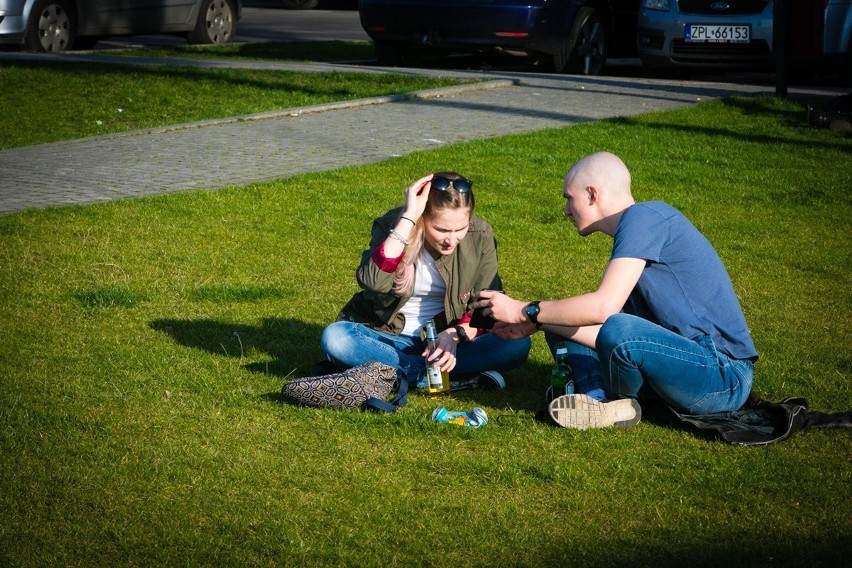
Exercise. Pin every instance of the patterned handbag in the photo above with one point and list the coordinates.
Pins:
(365, 387)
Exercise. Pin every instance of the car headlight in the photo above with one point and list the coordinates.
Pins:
(655, 4)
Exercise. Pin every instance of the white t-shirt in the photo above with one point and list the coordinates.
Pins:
(428, 298)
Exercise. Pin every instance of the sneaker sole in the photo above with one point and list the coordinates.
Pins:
(582, 412)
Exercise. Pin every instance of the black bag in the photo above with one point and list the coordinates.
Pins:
(838, 116)
(760, 422)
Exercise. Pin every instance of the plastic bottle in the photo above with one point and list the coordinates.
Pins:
(437, 381)
(476, 418)
(562, 375)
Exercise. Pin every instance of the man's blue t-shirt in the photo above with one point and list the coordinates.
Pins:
(684, 286)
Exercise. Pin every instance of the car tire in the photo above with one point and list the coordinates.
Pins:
(216, 23)
(584, 51)
(52, 27)
(300, 4)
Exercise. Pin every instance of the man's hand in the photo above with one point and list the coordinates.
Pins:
(501, 307)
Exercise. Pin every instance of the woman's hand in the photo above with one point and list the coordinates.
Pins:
(445, 352)
(513, 330)
(416, 196)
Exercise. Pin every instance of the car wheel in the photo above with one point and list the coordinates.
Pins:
(52, 27)
(300, 4)
(584, 52)
(215, 23)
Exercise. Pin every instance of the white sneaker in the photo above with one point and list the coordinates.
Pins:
(582, 412)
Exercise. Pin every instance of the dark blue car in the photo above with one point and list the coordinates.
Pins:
(573, 36)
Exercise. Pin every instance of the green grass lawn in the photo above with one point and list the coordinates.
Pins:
(42, 102)
(304, 51)
(145, 343)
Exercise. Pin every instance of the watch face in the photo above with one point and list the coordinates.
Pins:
(532, 311)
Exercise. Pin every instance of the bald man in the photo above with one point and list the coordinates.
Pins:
(664, 317)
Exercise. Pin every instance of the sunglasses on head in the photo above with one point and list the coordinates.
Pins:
(441, 183)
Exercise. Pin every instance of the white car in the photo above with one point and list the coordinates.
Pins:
(60, 25)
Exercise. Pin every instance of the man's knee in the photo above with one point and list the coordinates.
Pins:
(614, 330)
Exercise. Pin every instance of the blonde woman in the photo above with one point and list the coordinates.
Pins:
(427, 260)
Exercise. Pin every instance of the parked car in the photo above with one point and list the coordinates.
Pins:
(60, 25)
(300, 4)
(311, 4)
(574, 36)
(821, 37)
(705, 33)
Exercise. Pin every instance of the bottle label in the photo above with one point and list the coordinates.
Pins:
(433, 378)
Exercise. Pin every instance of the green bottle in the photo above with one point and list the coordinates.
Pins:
(562, 375)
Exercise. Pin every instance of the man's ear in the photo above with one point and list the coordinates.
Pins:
(592, 193)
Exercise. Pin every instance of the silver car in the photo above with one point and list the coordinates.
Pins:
(705, 33)
(59, 25)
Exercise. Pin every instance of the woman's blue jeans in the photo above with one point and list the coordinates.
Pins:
(350, 344)
(692, 376)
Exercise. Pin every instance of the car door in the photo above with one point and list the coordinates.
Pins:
(117, 17)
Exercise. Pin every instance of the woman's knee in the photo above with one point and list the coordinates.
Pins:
(336, 339)
(518, 350)
(496, 353)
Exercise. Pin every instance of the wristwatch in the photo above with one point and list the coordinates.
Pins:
(463, 338)
(531, 310)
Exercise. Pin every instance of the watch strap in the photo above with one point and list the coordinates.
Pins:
(462, 334)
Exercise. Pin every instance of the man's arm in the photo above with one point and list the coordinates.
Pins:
(619, 279)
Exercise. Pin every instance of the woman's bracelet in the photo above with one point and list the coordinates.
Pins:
(407, 219)
(399, 237)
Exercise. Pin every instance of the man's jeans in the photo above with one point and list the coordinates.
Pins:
(690, 375)
(350, 344)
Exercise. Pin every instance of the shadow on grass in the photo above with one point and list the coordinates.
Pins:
(293, 345)
(793, 118)
(716, 546)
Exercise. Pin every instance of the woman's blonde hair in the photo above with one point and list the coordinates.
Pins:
(438, 200)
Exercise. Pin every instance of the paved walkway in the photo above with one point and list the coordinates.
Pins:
(241, 150)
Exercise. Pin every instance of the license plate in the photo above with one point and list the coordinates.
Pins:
(717, 34)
